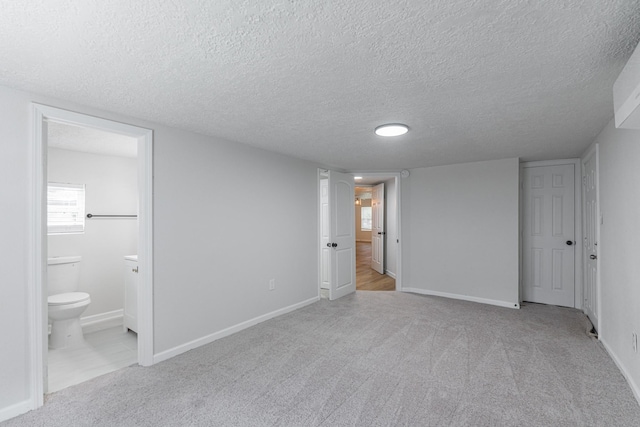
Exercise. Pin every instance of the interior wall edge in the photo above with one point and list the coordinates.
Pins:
(619, 209)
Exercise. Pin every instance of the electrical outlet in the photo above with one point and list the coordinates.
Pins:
(634, 342)
(272, 284)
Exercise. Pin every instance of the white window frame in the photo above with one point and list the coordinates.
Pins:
(362, 216)
(70, 218)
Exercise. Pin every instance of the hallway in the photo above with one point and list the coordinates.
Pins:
(367, 279)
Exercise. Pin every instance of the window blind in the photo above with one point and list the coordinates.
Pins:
(65, 208)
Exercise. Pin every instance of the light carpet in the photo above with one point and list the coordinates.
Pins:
(370, 359)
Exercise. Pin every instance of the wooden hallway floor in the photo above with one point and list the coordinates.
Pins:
(367, 279)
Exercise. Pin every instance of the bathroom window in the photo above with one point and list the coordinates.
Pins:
(65, 208)
(365, 218)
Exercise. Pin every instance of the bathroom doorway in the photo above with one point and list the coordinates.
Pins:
(92, 203)
(111, 162)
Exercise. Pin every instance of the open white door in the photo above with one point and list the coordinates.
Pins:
(342, 235)
(377, 228)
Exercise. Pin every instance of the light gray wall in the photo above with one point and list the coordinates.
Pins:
(227, 219)
(218, 238)
(111, 187)
(460, 230)
(619, 251)
(14, 143)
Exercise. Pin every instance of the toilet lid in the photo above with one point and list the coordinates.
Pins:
(67, 298)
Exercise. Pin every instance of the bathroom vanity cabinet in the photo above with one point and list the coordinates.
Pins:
(131, 293)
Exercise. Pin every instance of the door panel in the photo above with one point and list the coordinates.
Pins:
(343, 267)
(377, 228)
(343, 194)
(342, 231)
(548, 235)
(590, 229)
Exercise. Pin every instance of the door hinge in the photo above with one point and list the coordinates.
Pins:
(584, 180)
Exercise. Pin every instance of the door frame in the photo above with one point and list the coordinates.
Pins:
(398, 187)
(37, 245)
(594, 150)
(577, 212)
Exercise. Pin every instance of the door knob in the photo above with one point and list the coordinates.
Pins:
(569, 242)
(328, 245)
(334, 245)
(593, 256)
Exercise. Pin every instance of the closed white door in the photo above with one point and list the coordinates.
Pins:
(548, 235)
(377, 228)
(590, 223)
(342, 232)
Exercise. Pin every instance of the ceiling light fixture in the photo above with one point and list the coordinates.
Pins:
(392, 129)
(357, 177)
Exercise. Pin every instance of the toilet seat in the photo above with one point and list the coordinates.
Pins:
(68, 298)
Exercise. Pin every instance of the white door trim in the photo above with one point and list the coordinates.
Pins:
(37, 262)
(578, 286)
(398, 188)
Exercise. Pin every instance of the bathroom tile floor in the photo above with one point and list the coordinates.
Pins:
(102, 352)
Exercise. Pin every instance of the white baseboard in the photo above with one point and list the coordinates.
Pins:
(462, 297)
(634, 387)
(167, 354)
(101, 321)
(15, 410)
(390, 273)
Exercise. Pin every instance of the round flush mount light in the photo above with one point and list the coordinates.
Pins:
(392, 129)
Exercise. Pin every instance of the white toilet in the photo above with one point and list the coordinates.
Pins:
(65, 303)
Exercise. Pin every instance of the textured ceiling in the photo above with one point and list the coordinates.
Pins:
(76, 138)
(474, 79)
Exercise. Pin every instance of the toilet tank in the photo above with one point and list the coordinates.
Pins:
(63, 274)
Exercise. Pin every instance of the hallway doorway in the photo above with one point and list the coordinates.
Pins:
(90, 172)
(377, 231)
